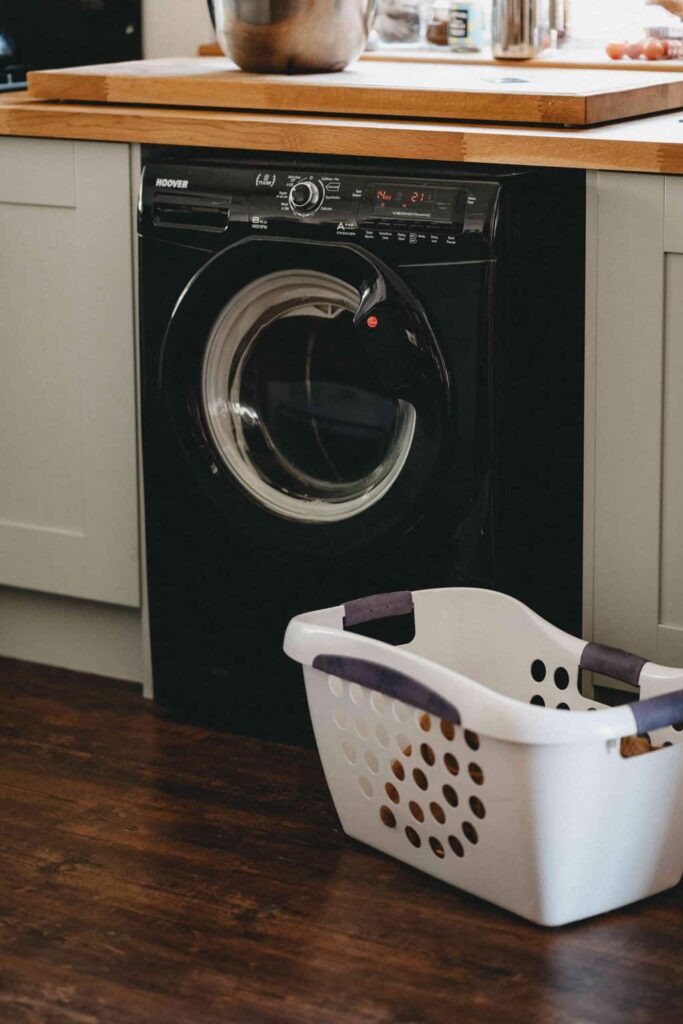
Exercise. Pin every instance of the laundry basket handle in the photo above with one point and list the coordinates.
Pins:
(379, 606)
(653, 713)
(658, 712)
(388, 681)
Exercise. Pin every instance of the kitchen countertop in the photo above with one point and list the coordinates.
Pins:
(155, 871)
(649, 144)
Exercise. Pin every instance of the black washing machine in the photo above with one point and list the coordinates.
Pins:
(355, 379)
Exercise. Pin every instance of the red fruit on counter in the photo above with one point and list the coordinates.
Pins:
(654, 49)
(617, 51)
(635, 50)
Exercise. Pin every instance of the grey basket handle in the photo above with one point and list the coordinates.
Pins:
(389, 682)
(380, 606)
(653, 713)
(612, 662)
(658, 712)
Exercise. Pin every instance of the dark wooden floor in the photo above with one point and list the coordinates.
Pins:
(153, 872)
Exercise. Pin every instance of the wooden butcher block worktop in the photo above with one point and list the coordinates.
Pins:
(381, 89)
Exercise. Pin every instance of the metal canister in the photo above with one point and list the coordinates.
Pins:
(516, 29)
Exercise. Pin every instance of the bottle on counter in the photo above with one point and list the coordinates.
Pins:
(465, 25)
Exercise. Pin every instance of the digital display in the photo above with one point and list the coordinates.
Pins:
(413, 202)
(403, 199)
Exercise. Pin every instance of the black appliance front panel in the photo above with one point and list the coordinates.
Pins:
(220, 593)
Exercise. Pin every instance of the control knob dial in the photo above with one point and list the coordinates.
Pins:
(305, 197)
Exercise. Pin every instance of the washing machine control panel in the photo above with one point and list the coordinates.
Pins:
(376, 211)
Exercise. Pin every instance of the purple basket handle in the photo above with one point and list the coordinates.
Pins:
(380, 606)
(612, 662)
(658, 712)
(389, 682)
(654, 713)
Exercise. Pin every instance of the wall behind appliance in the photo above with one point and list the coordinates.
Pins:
(175, 28)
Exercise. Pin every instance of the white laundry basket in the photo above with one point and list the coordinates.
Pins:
(455, 752)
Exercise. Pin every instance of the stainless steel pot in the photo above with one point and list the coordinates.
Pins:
(293, 36)
(516, 30)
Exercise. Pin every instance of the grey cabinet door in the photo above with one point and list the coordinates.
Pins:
(634, 492)
(68, 487)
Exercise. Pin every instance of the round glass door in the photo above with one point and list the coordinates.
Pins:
(290, 397)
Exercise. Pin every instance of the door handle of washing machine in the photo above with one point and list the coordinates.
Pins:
(389, 682)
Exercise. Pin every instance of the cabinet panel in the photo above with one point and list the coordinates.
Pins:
(40, 171)
(671, 570)
(673, 222)
(68, 489)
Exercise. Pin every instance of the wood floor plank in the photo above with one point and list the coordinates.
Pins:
(152, 871)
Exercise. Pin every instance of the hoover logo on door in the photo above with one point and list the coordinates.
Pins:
(172, 183)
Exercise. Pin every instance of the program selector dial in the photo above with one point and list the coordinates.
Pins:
(306, 196)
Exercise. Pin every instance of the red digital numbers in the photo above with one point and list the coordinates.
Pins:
(417, 197)
(384, 196)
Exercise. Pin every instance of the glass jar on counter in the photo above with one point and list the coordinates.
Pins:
(465, 25)
(400, 21)
(437, 24)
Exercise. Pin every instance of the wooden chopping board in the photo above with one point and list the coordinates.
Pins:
(376, 88)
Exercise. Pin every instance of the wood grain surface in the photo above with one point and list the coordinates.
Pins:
(653, 144)
(379, 89)
(156, 872)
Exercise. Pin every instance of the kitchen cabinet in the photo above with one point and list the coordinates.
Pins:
(634, 470)
(68, 458)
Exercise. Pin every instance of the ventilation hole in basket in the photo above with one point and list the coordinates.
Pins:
(450, 796)
(398, 770)
(336, 686)
(366, 786)
(424, 721)
(448, 729)
(340, 719)
(387, 816)
(420, 778)
(538, 670)
(392, 793)
(377, 702)
(472, 740)
(413, 837)
(382, 735)
(437, 848)
(456, 846)
(667, 743)
(356, 694)
(416, 811)
(470, 832)
(561, 678)
(678, 726)
(349, 752)
(400, 711)
(476, 774)
(361, 728)
(438, 812)
(451, 763)
(595, 709)
(372, 762)
(538, 700)
(477, 807)
(404, 744)
(428, 755)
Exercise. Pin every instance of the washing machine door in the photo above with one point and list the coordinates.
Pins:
(306, 388)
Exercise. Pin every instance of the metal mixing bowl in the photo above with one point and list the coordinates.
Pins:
(293, 36)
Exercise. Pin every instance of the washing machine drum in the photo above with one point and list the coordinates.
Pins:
(306, 387)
